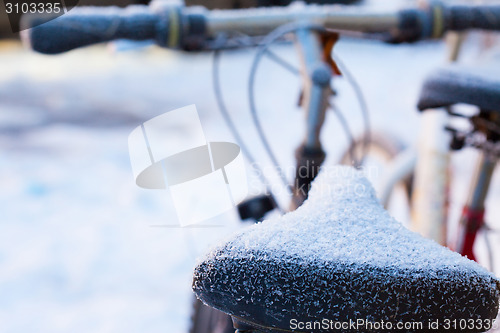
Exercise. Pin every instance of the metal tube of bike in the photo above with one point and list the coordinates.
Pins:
(316, 75)
(472, 218)
(262, 20)
(430, 202)
(431, 188)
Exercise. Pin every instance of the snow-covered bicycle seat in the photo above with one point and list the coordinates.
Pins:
(341, 258)
(454, 84)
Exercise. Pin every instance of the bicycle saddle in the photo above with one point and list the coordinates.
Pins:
(453, 84)
(341, 257)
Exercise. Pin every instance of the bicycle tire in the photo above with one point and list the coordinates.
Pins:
(205, 319)
(386, 147)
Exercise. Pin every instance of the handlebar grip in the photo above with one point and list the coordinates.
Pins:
(84, 26)
(473, 17)
(433, 22)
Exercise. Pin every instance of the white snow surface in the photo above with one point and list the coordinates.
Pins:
(343, 222)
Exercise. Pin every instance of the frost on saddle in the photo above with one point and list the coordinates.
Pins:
(341, 257)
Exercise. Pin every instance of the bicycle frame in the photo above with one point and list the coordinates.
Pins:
(431, 163)
(432, 168)
(472, 219)
(431, 184)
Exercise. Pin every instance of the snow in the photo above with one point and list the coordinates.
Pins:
(82, 249)
(342, 221)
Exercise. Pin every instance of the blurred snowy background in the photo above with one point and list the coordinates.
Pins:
(82, 249)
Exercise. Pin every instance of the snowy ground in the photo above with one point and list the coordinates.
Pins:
(82, 249)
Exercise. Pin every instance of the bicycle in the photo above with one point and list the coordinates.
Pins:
(403, 164)
(175, 28)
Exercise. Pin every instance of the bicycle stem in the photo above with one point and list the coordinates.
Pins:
(316, 76)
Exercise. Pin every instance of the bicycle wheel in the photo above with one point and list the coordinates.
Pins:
(389, 165)
(205, 319)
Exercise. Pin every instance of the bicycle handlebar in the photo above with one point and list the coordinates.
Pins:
(478, 17)
(190, 28)
(90, 25)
